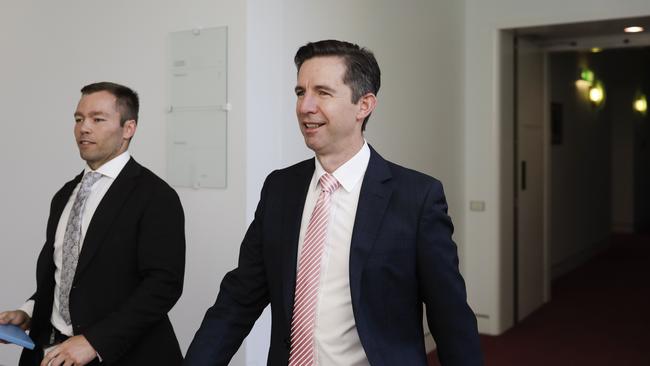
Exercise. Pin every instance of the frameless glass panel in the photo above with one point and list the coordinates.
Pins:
(198, 113)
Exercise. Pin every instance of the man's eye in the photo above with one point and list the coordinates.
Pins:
(300, 93)
(78, 120)
(99, 120)
(323, 93)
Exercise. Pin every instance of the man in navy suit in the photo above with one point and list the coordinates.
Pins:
(111, 267)
(384, 238)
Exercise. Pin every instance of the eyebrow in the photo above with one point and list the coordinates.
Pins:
(325, 88)
(317, 87)
(91, 114)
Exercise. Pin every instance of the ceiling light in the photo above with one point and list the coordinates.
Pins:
(633, 29)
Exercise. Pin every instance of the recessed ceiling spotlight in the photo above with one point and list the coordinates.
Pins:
(633, 29)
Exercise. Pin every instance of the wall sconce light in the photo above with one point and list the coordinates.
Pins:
(597, 93)
(641, 104)
(586, 78)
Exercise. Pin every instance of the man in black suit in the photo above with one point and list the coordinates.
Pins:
(346, 247)
(114, 257)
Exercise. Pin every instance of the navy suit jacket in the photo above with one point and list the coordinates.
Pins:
(401, 256)
(129, 274)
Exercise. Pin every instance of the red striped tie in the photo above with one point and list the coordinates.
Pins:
(308, 278)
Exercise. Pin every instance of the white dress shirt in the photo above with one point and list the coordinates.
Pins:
(335, 334)
(109, 170)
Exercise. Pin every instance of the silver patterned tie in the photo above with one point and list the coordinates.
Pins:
(72, 243)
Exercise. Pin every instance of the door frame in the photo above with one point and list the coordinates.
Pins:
(510, 168)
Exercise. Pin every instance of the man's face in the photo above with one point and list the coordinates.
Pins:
(97, 129)
(328, 120)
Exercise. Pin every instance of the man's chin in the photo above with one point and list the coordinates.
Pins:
(88, 158)
(312, 144)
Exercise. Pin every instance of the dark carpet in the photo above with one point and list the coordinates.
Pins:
(599, 314)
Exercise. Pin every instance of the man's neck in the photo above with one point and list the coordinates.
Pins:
(331, 162)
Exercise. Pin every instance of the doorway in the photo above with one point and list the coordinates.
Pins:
(568, 155)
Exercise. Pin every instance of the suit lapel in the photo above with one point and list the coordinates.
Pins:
(108, 209)
(295, 194)
(375, 194)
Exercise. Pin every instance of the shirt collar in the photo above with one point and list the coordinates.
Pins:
(113, 167)
(351, 172)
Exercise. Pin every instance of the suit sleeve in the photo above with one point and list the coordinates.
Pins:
(451, 321)
(242, 297)
(161, 266)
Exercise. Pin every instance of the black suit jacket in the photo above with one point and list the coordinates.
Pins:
(401, 256)
(129, 274)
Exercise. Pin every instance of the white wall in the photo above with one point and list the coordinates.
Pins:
(49, 51)
(485, 234)
(265, 98)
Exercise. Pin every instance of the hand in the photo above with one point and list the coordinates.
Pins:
(76, 351)
(16, 317)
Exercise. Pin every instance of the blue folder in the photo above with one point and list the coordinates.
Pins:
(13, 334)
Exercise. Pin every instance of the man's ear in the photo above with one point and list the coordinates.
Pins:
(128, 129)
(367, 104)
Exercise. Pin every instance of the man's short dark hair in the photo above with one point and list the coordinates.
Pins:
(362, 73)
(127, 101)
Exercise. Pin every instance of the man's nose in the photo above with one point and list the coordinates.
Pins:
(84, 125)
(307, 104)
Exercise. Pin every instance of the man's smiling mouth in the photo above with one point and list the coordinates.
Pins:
(310, 126)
